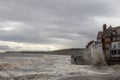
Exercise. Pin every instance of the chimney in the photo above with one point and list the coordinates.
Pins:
(104, 27)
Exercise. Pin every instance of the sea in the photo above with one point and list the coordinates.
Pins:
(35, 66)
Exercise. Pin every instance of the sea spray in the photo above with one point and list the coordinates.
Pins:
(97, 58)
(87, 57)
(94, 58)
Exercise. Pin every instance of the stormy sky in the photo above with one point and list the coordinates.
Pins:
(54, 24)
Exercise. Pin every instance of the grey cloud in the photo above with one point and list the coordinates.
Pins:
(53, 21)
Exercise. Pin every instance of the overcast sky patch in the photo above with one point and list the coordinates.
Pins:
(54, 24)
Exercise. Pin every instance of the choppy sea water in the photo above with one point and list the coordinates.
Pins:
(45, 67)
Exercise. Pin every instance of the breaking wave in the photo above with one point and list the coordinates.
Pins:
(98, 58)
(48, 67)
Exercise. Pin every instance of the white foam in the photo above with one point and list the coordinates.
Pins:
(56, 65)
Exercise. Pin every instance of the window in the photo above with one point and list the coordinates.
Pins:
(118, 45)
(114, 33)
(114, 46)
(114, 38)
(118, 32)
(113, 52)
(107, 39)
(118, 52)
(118, 38)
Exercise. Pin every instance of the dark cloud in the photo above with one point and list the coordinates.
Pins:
(53, 21)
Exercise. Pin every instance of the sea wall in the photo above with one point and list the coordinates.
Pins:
(89, 58)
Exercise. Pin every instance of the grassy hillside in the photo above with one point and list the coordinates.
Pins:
(60, 52)
(69, 51)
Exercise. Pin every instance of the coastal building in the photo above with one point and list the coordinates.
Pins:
(111, 41)
(90, 47)
(115, 44)
(99, 42)
(89, 52)
(111, 44)
(107, 44)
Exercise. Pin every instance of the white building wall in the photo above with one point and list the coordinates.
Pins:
(115, 45)
(92, 48)
(99, 48)
(95, 53)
